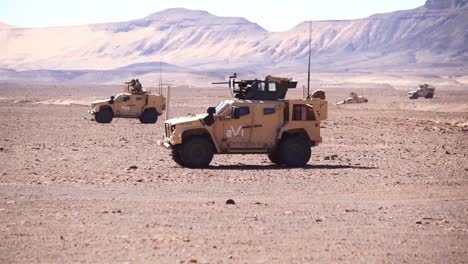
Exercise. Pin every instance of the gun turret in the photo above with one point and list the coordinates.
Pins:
(272, 88)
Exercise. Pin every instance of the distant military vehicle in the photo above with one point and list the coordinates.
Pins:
(353, 99)
(424, 90)
(259, 120)
(133, 103)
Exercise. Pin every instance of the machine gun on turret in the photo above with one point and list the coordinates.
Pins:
(272, 88)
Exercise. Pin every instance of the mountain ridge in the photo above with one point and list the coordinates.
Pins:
(430, 36)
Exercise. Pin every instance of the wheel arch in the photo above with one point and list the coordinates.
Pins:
(200, 132)
(104, 107)
(300, 132)
(152, 108)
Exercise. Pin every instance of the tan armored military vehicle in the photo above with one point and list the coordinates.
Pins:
(353, 99)
(424, 90)
(258, 121)
(133, 103)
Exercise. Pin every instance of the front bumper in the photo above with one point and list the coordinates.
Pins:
(164, 143)
(169, 142)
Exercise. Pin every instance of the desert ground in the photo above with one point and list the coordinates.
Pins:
(389, 184)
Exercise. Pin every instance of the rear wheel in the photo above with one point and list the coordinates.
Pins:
(294, 151)
(149, 117)
(104, 116)
(429, 96)
(196, 152)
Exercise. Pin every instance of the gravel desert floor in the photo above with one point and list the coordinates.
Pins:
(388, 184)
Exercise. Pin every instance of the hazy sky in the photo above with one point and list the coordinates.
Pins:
(272, 15)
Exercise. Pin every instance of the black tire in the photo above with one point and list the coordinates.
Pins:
(429, 96)
(196, 152)
(414, 96)
(294, 151)
(104, 116)
(274, 158)
(176, 157)
(149, 117)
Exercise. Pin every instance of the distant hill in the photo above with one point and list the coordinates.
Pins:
(432, 36)
(3, 25)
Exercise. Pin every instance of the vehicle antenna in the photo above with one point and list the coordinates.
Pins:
(160, 76)
(308, 70)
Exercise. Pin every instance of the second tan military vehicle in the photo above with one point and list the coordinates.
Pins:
(133, 103)
(258, 121)
(353, 99)
(424, 90)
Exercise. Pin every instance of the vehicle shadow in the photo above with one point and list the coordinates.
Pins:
(276, 167)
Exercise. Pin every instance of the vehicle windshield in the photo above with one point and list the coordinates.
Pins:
(220, 107)
(118, 97)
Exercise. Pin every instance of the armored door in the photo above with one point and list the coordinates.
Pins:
(236, 131)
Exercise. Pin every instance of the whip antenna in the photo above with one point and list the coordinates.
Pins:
(310, 47)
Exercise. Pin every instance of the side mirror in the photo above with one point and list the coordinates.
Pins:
(111, 101)
(112, 98)
(211, 110)
(235, 113)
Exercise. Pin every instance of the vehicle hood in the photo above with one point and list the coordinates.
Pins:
(185, 119)
(100, 101)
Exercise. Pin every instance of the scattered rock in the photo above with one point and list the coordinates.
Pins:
(193, 261)
(351, 210)
(1, 149)
(419, 222)
(331, 157)
(318, 220)
(105, 212)
(230, 202)
(186, 240)
(133, 167)
(139, 180)
(61, 237)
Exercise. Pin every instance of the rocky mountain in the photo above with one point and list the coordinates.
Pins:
(434, 35)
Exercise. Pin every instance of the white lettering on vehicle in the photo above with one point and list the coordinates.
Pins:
(233, 132)
(126, 108)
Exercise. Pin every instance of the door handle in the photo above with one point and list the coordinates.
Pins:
(254, 126)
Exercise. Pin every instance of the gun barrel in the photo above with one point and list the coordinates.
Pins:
(220, 83)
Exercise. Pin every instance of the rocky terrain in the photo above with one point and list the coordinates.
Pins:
(431, 38)
(388, 184)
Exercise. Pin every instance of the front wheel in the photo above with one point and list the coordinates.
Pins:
(104, 116)
(176, 157)
(294, 151)
(149, 117)
(196, 152)
(429, 96)
(274, 158)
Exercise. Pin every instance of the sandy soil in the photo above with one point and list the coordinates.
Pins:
(389, 184)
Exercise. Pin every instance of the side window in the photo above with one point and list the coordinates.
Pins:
(268, 111)
(261, 86)
(139, 98)
(303, 113)
(272, 86)
(244, 111)
(126, 98)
